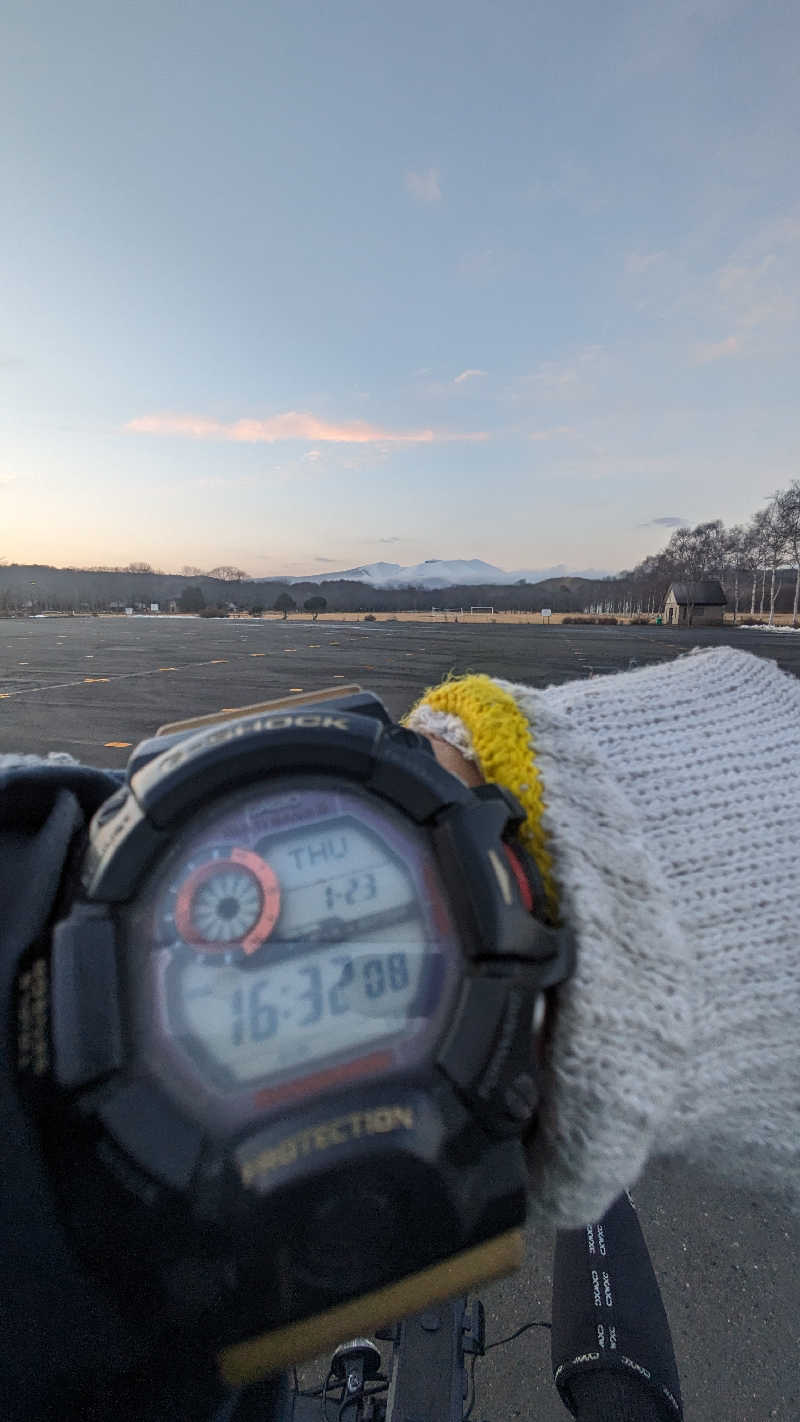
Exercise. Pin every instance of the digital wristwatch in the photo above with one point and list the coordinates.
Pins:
(290, 1046)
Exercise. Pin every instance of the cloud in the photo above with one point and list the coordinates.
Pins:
(638, 262)
(294, 424)
(558, 375)
(395, 538)
(554, 432)
(311, 456)
(751, 292)
(467, 375)
(562, 378)
(777, 232)
(710, 351)
(424, 186)
(319, 559)
(667, 521)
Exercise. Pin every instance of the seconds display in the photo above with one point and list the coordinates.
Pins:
(294, 932)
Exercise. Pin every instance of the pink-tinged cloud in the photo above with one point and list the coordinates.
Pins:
(467, 375)
(294, 424)
(717, 350)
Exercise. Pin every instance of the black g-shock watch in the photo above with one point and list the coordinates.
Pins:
(291, 1016)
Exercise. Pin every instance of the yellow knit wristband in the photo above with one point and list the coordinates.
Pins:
(501, 738)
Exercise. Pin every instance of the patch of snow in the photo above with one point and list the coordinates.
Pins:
(766, 628)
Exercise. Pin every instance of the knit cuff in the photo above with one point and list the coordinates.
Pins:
(481, 719)
(622, 1026)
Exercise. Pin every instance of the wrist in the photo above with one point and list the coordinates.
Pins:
(454, 760)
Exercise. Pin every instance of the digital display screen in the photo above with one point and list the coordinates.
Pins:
(307, 1007)
(288, 932)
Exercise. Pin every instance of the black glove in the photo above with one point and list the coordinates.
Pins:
(65, 1350)
(613, 1359)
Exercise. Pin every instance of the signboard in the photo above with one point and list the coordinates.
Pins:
(129, 612)
(547, 612)
(154, 607)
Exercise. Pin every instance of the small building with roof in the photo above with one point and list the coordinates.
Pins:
(695, 605)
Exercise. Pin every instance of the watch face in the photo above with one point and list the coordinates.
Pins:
(295, 937)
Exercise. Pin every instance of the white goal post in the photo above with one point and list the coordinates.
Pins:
(482, 609)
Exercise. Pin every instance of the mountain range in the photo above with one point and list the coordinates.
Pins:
(444, 573)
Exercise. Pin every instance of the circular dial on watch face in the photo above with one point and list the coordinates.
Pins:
(290, 933)
(227, 902)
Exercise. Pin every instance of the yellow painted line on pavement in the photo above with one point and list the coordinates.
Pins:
(117, 745)
(338, 676)
(258, 654)
(217, 662)
(295, 688)
(89, 680)
(168, 669)
(120, 676)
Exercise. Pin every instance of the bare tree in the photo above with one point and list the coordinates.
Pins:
(787, 508)
(739, 555)
(697, 553)
(229, 575)
(759, 533)
(777, 548)
(712, 548)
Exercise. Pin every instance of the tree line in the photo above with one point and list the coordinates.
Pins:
(756, 563)
(750, 560)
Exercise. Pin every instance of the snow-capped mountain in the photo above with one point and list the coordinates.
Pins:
(443, 573)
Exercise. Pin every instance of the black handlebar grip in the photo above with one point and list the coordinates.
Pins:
(611, 1345)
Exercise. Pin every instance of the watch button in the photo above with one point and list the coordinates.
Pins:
(476, 1026)
(489, 1054)
(87, 1033)
(521, 1097)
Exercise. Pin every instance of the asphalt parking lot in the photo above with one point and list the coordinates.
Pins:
(725, 1258)
(80, 684)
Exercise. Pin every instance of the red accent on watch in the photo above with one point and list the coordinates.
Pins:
(521, 878)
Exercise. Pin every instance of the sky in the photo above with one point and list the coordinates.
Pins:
(290, 286)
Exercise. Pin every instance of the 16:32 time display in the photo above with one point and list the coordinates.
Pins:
(256, 1015)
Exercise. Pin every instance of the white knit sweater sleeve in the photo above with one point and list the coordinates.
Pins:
(673, 809)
